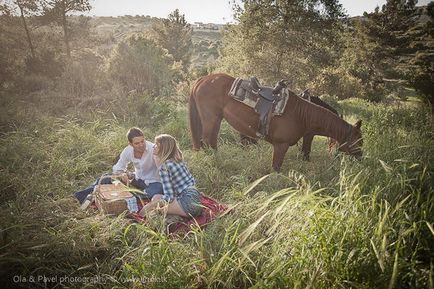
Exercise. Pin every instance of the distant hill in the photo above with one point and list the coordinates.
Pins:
(111, 30)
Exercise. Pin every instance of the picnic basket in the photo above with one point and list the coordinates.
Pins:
(111, 198)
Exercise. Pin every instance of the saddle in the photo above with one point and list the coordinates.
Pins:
(261, 98)
(306, 95)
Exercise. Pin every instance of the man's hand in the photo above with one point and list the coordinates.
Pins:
(124, 178)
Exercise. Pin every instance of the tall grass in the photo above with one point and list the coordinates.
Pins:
(330, 223)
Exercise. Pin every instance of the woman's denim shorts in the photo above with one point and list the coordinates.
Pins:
(189, 200)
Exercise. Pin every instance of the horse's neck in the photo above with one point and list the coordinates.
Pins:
(321, 121)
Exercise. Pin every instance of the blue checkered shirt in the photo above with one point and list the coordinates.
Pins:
(175, 178)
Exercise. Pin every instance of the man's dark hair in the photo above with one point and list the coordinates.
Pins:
(134, 132)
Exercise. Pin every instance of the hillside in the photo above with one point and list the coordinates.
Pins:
(111, 30)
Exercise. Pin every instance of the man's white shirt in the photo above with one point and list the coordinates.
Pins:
(145, 167)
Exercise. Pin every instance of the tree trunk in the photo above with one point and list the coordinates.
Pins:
(65, 34)
(29, 40)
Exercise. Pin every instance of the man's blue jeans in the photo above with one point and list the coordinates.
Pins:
(150, 190)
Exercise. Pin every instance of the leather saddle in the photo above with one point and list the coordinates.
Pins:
(306, 94)
(268, 96)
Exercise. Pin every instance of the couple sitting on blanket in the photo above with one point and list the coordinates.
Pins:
(160, 173)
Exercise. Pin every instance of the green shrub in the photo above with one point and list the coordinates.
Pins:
(139, 64)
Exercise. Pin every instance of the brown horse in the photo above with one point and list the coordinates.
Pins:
(308, 137)
(210, 103)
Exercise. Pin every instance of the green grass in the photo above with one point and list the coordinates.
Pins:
(332, 222)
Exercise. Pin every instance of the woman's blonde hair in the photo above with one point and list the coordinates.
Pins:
(168, 149)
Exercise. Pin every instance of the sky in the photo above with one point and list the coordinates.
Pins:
(206, 11)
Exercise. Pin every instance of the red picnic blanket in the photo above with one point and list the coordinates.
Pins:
(211, 210)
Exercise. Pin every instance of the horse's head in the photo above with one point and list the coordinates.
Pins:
(354, 141)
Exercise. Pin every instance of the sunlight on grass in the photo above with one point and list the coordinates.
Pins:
(333, 222)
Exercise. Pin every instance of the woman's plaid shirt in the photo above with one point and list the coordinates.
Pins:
(175, 178)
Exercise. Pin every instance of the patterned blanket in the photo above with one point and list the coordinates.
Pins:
(179, 225)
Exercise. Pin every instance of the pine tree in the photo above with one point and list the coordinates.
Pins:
(406, 50)
(174, 34)
(419, 69)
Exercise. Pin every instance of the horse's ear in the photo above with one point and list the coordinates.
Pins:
(358, 124)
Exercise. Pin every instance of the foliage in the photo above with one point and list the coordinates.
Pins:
(140, 64)
(57, 11)
(358, 72)
(28, 7)
(282, 39)
(174, 34)
(83, 75)
(12, 57)
(419, 69)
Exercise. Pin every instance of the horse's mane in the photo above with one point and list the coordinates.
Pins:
(312, 115)
(320, 102)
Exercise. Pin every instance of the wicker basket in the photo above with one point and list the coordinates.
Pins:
(111, 198)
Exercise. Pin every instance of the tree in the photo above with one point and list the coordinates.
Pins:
(140, 64)
(358, 72)
(26, 8)
(405, 44)
(430, 9)
(419, 68)
(376, 50)
(12, 42)
(58, 10)
(174, 34)
(292, 39)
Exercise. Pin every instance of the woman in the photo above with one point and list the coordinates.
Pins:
(179, 197)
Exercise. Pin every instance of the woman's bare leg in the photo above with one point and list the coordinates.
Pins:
(174, 208)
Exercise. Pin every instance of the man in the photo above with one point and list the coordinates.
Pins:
(139, 152)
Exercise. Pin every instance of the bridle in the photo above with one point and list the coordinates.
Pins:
(350, 147)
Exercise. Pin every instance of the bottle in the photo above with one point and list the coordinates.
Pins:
(86, 202)
(132, 205)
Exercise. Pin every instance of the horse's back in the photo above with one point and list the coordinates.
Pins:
(212, 86)
(215, 80)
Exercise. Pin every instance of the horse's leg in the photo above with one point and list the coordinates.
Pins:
(307, 146)
(210, 131)
(332, 143)
(279, 151)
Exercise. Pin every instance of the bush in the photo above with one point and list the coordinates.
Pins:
(83, 74)
(46, 63)
(140, 64)
(336, 81)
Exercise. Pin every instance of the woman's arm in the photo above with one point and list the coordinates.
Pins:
(167, 183)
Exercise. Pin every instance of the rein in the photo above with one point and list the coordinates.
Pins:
(347, 136)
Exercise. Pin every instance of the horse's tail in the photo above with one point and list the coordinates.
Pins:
(195, 122)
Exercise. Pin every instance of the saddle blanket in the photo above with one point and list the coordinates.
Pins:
(242, 91)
